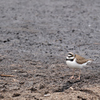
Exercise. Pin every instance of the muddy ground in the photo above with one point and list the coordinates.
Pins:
(35, 37)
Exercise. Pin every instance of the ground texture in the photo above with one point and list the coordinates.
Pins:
(35, 37)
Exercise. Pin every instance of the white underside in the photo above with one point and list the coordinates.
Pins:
(74, 64)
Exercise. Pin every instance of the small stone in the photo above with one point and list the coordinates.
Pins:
(73, 30)
(21, 82)
(79, 97)
(41, 86)
(33, 89)
(71, 88)
(46, 95)
(33, 63)
(16, 94)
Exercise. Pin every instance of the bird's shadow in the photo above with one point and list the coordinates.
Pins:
(69, 84)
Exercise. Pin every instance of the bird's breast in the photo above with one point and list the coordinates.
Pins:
(70, 64)
(74, 64)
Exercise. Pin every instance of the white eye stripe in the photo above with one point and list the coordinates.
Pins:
(69, 57)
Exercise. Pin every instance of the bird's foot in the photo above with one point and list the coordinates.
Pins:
(72, 77)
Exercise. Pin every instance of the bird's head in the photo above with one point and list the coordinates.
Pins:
(70, 56)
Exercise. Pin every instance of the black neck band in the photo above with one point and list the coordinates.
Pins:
(69, 59)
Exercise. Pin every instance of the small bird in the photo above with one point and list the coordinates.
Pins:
(76, 62)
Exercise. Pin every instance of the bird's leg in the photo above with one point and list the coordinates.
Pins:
(72, 77)
(79, 75)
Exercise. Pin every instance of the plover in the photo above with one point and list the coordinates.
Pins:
(75, 61)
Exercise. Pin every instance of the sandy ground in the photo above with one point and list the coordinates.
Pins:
(35, 37)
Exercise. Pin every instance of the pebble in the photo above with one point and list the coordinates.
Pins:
(33, 89)
(46, 95)
(21, 82)
(16, 94)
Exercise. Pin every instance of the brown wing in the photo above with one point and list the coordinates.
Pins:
(80, 59)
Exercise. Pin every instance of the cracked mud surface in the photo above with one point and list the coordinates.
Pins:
(35, 37)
